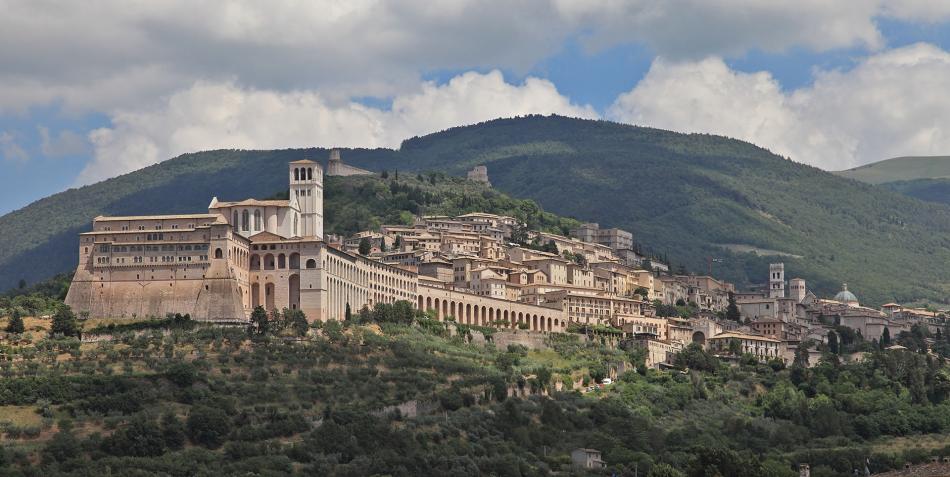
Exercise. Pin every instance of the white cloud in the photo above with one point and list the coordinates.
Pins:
(66, 143)
(11, 151)
(109, 55)
(213, 115)
(888, 105)
(691, 29)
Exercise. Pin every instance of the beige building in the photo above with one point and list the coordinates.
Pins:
(759, 346)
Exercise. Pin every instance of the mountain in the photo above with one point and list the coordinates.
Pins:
(901, 169)
(926, 178)
(687, 196)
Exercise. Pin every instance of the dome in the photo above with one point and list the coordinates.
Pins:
(844, 296)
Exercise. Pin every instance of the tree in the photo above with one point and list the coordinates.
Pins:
(259, 321)
(382, 245)
(348, 314)
(64, 322)
(208, 426)
(665, 470)
(732, 311)
(832, 342)
(365, 246)
(183, 374)
(173, 431)
(299, 322)
(140, 438)
(62, 447)
(398, 244)
(385, 174)
(885, 338)
(16, 323)
(735, 347)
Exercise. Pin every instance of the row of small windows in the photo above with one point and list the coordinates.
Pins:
(162, 259)
(153, 248)
(303, 174)
(142, 227)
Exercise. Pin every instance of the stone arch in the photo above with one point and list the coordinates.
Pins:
(420, 304)
(534, 323)
(218, 253)
(269, 261)
(549, 324)
(445, 309)
(468, 313)
(311, 263)
(699, 337)
(428, 304)
(255, 295)
(255, 262)
(281, 261)
(438, 308)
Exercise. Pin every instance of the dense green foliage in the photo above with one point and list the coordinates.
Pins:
(688, 196)
(226, 401)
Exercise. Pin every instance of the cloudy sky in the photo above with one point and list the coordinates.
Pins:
(91, 90)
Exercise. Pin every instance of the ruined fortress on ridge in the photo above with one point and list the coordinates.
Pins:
(220, 265)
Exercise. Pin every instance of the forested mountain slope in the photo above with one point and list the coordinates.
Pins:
(689, 196)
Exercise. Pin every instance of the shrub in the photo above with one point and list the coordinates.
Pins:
(208, 426)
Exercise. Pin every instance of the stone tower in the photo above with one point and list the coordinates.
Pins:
(777, 280)
(479, 174)
(306, 186)
(796, 289)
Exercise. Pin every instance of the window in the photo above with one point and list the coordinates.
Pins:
(296, 174)
(258, 223)
(245, 221)
(234, 219)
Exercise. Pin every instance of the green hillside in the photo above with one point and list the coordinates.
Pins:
(180, 399)
(901, 169)
(688, 196)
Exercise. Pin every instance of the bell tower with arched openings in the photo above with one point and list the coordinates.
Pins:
(306, 185)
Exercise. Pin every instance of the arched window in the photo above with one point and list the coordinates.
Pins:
(258, 223)
(245, 221)
(296, 174)
(234, 220)
(309, 173)
(218, 253)
(311, 263)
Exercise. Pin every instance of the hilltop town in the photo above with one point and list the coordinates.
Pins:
(476, 269)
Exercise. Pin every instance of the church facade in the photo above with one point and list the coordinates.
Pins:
(220, 265)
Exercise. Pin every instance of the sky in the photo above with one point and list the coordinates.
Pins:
(93, 90)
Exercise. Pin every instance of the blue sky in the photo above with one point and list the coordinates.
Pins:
(91, 93)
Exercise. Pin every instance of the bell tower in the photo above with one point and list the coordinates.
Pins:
(306, 186)
(777, 280)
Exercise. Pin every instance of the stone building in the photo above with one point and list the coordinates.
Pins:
(220, 265)
(336, 167)
(479, 174)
